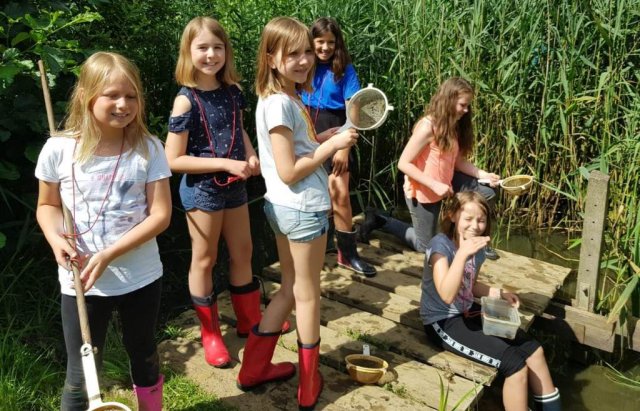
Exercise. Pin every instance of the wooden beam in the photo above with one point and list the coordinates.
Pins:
(592, 234)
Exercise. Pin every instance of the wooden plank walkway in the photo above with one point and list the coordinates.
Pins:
(383, 312)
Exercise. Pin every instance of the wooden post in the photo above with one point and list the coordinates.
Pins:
(592, 234)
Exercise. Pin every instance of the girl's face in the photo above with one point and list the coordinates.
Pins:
(470, 221)
(462, 105)
(207, 53)
(115, 106)
(325, 46)
(293, 68)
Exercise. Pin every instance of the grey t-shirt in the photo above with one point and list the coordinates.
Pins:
(312, 192)
(432, 308)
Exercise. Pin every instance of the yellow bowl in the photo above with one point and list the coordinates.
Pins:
(366, 369)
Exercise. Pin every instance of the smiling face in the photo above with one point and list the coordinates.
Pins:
(470, 221)
(115, 106)
(294, 67)
(208, 56)
(325, 46)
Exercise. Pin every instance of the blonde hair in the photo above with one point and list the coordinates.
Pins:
(281, 35)
(96, 74)
(186, 71)
(456, 203)
(442, 111)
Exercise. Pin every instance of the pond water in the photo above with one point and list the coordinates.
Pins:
(581, 374)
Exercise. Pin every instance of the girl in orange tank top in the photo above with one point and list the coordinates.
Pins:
(435, 165)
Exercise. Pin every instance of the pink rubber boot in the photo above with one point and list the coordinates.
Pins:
(150, 398)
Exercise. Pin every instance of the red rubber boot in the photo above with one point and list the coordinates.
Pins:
(257, 368)
(215, 352)
(245, 300)
(310, 384)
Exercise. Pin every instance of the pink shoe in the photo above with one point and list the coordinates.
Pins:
(150, 398)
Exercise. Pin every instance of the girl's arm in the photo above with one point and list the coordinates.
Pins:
(250, 154)
(291, 169)
(49, 216)
(463, 165)
(482, 290)
(448, 279)
(159, 209)
(180, 162)
(421, 137)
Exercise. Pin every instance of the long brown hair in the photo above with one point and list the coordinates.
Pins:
(442, 112)
(281, 35)
(340, 59)
(455, 204)
(96, 74)
(186, 71)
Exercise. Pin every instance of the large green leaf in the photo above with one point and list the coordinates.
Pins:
(8, 171)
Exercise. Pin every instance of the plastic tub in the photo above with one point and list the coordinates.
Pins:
(499, 318)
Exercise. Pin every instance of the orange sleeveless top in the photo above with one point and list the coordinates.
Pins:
(438, 165)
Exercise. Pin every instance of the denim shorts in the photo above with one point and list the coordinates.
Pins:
(209, 198)
(298, 226)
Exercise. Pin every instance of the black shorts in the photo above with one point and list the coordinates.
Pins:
(326, 119)
(464, 336)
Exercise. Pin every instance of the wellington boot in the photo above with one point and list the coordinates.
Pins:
(256, 361)
(245, 300)
(150, 398)
(310, 379)
(215, 352)
(348, 254)
(373, 220)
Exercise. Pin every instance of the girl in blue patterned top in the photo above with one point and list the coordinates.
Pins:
(449, 284)
(207, 142)
(334, 83)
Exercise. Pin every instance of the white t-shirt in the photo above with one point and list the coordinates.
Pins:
(125, 207)
(312, 192)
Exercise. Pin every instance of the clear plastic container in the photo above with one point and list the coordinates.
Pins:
(499, 318)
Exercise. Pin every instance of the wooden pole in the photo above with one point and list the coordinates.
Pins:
(592, 234)
(47, 96)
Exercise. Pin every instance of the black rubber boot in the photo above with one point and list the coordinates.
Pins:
(373, 220)
(331, 244)
(491, 253)
(348, 254)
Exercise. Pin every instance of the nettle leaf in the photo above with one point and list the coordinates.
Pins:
(32, 151)
(20, 37)
(4, 135)
(8, 171)
(10, 54)
(3, 240)
(53, 58)
(7, 73)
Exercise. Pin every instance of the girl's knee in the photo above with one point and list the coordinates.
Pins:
(537, 357)
(519, 377)
(205, 264)
(241, 254)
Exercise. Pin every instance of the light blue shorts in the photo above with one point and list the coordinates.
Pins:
(298, 226)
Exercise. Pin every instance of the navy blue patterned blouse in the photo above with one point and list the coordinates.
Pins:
(218, 105)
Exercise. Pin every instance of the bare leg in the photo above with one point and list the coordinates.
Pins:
(539, 376)
(282, 301)
(514, 391)
(204, 230)
(341, 201)
(236, 230)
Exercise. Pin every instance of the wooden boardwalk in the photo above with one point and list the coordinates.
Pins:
(383, 312)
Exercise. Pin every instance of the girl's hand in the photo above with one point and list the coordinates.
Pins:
(441, 189)
(345, 139)
(327, 134)
(254, 165)
(63, 252)
(512, 299)
(340, 162)
(239, 168)
(94, 269)
(470, 246)
(494, 179)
